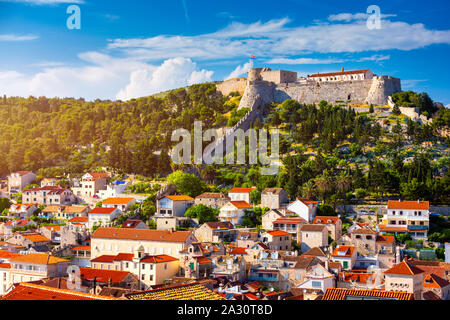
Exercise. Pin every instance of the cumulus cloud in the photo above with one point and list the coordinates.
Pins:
(240, 70)
(276, 37)
(13, 37)
(173, 73)
(347, 17)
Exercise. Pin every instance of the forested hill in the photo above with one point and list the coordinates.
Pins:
(332, 153)
(41, 132)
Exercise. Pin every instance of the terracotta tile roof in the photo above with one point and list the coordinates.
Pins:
(131, 223)
(75, 209)
(215, 195)
(313, 227)
(6, 254)
(79, 219)
(272, 191)
(278, 233)
(192, 291)
(290, 220)
(238, 251)
(334, 265)
(219, 225)
(241, 204)
(241, 190)
(82, 248)
(338, 73)
(341, 294)
(29, 291)
(102, 275)
(51, 209)
(53, 228)
(101, 210)
(104, 258)
(99, 175)
(314, 252)
(5, 266)
(384, 228)
(343, 251)
(433, 281)
(38, 258)
(408, 205)
(404, 268)
(36, 237)
(19, 223)
(118, 201)
(141, 234)
(385, 239)
(159, 259)
(308, 201)
(180, 198)
(357, 277)
(364, 231)
(325, 219)
(202, 260)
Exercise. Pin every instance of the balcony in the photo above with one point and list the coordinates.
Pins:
(257, 277)
(414, 227)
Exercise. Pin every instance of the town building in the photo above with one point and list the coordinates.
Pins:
(48, 196)
(277, 240)
(405, 277)
(312, 235)
(333, 224)
(274, 198)
(304, 208)
(173, 206)
(102, 216)
(113, 190)
(20, 211)
(407, 216)
(352, 75)
(234, 211)
(214, 200)
(112, 241)
(345, 255)
(91, 183)
(365, 241)
(215, 232)
(123, 204)
(241, 194)
(17, 181)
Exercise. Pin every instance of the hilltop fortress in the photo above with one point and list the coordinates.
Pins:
(264, 86)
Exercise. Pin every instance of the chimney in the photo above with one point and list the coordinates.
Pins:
(326, 264)
(342, 69)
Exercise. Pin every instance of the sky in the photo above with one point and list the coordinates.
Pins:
(128, 49)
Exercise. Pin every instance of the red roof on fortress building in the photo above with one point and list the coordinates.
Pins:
(338, 73)
(408, 205)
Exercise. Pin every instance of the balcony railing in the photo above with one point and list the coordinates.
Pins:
(257, 277)
(414, 227)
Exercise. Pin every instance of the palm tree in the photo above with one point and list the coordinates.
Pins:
(324, 183)
(309, 189)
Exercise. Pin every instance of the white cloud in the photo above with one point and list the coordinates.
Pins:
(275, 38)
(240, 70)
(13, 37)
(173, 73)
(347, 17)
(410, 84)
(376, 58)
(303, 61)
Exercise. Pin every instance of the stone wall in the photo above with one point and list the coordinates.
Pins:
(374, 91)
(236, 84)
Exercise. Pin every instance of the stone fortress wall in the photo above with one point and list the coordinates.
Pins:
(279, 85)
(231, 85)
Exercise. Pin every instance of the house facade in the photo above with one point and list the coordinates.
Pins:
(48, 196)
(333, 224)
(274, 198)
(212, 199)
(304, 208)
(17, 181)
(234, 211)
(311, 236)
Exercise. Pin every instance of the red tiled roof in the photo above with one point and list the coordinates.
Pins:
(79, 219)
(241, 190)
(338, 73)
(202, 260)
(346, 251)
(356, 276)
(241, 204)
(5, 266)
(141, 234)
(180, 198)
(385, 239)
(404, 268)
(341, 294)
(101, 210)
(278, 233)
(238, 251)
(104, 258)
(433, 281)
(103, 275)
(159, 259)
(29, 291)
(325, 219)
(82, 248)
(408, 205)
(290, 220)
(384, 228)
(118, 200)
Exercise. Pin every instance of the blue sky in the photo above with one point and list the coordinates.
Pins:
(127, 49)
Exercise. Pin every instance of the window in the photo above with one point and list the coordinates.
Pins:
(316, 284)
(143, 277)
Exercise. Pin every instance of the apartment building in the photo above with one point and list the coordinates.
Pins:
(48, 196)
